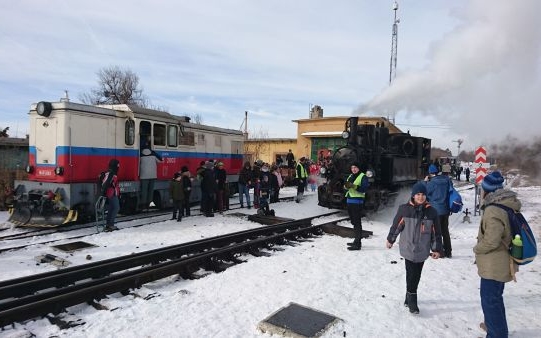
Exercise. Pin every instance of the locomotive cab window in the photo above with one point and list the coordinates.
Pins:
(172, 136)
(129, 132)
(159, 134)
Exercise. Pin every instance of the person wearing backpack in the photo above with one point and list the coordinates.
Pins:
(494, 264)
(111, 189)
(438, 187)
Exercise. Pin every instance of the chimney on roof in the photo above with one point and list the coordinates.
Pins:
(316, 112)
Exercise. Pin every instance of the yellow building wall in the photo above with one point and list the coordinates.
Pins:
(267, 149)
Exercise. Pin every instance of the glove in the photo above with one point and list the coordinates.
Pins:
(348, 185)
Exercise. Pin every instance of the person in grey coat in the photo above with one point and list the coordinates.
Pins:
(494, 264)
(418, 225)
(148, 172)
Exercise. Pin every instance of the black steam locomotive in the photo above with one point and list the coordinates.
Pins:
(390, 160)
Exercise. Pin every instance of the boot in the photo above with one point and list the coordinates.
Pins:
(109, 228)
(355, 246)
(179, 219)
(412, 303)
(174, 216)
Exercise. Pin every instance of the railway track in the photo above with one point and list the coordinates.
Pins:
(18, 241)
(52, 292)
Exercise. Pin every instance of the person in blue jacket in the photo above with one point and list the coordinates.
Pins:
(437, 187)
(417, 223)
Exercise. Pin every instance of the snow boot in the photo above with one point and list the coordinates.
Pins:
(412, 302)
(174, 216)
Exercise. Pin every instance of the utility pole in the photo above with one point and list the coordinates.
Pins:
(394, 49)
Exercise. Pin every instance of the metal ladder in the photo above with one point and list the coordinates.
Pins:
(101, 213)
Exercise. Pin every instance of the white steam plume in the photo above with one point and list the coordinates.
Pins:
(482, 79)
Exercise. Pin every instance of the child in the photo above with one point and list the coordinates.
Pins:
(264, 190)
(176, 193)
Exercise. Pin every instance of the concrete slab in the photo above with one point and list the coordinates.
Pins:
(298, 321)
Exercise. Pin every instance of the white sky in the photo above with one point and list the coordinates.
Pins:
(363, 288)
(464, 67)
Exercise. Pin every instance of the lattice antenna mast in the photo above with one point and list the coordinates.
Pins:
(394, 45)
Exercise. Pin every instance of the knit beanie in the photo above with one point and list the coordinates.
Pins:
(418, 187)
(492, 182)
(432, 169)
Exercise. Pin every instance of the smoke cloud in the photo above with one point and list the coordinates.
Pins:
(482, 78)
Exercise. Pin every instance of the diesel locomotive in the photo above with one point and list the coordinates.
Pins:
(70, 144)
(390, 161)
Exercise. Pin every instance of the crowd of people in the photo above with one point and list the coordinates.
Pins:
(421, 225)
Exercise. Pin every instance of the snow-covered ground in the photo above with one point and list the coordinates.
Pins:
(365, 289)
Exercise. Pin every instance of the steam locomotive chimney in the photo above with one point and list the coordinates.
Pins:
(353, 122)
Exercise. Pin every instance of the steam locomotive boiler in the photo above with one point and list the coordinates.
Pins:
(389, 160)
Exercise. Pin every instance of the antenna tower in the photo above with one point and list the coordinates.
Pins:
(394, 49)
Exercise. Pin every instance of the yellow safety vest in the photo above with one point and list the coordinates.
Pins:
(353, 192)
(303, 171)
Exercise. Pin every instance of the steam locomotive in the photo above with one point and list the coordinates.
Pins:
(389, 160)
(71, 143)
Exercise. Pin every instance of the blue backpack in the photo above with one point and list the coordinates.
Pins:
(455, 200)
(519, 226)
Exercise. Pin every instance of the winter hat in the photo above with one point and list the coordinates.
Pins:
(418, 187)
(446, 168)
(184, 169)
(356, 164)
(220, 164)
(432, 169)
(492, 182)
(146, 152)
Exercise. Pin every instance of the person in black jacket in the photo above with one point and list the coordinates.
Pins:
(208, 189)
(187, 186)
(418, 225)
(221, 183)
(245, 180)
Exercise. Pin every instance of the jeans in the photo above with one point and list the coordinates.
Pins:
(494, 308)
(113, 205)
(244, 191)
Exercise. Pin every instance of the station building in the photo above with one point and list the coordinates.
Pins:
(315, 134)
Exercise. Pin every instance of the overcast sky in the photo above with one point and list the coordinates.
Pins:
(466, 69)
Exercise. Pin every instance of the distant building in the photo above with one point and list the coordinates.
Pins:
(314, 135)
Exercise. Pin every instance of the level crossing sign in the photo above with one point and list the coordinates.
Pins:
(481, 165)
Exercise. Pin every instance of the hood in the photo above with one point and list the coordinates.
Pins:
(113, 165)
(503, 196)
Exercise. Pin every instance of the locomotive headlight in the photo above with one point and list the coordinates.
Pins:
(59, 170)
(44, 108)
(345, 134)
(29, 169)
(369, 173)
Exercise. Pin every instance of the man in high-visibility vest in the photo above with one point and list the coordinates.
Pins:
(356, 186)
(301, 175)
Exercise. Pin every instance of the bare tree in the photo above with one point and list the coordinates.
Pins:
(116, 86)
(258, 148)
(196, 118)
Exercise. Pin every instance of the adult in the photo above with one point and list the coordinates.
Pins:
(187, 187)
(417, 223)
(290, 159)
(356, 185)
(148, 172)
(276, 183)
(301, 176)
(245, 180)
(111, 189)
(208, 189)
(437, 187)
(221, 181)
(467, 173)
(494, 265)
